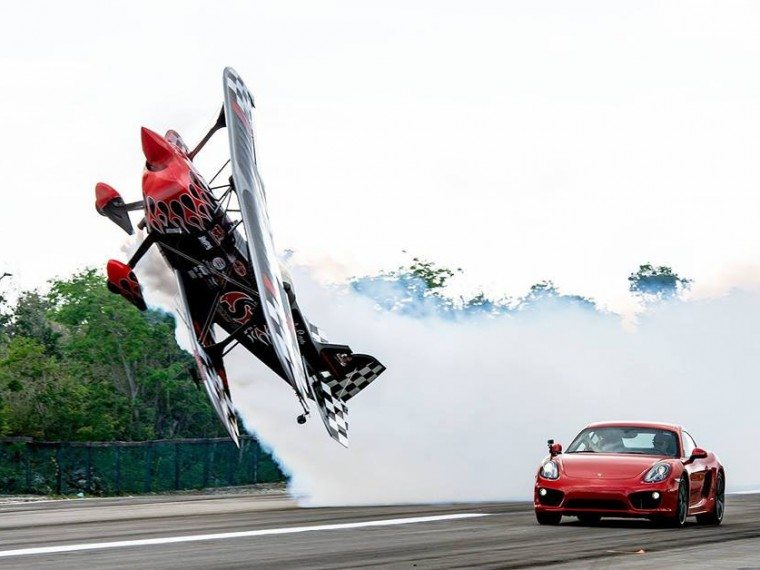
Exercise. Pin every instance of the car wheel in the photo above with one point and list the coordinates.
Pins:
(678, 519)
(589, 519)
(716, 516)
(548, 518)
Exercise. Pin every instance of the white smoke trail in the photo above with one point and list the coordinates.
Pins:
(465, 408)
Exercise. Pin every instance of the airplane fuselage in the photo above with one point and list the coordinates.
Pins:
(202, 244)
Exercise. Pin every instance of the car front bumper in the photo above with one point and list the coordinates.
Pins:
(574, 496)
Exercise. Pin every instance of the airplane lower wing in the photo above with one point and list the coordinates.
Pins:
(212, 373)
(332, 409)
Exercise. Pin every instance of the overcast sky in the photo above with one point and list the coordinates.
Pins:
(519, 141)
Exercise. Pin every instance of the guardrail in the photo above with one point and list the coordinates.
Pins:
(129, 467)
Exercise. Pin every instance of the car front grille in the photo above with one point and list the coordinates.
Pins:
(597, 504)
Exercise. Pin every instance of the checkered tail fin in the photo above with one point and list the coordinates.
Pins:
(365, 369)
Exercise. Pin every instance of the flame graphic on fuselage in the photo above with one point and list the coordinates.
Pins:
(175, 194)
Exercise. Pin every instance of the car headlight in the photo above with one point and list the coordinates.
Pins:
(549, 470)
(657, 473)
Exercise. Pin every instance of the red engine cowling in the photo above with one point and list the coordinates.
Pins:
(176, 199)
(123, 281)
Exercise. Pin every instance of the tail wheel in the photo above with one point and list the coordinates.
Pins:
(548, 518)
(716, 516)
(682, 506)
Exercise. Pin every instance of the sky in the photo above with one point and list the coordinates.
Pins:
(519, 141)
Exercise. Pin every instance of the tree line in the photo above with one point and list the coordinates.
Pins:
(419, 289)
(80, 364)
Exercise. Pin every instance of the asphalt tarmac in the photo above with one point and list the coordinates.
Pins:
(270, 531)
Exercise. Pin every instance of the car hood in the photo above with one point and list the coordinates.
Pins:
(606, 465)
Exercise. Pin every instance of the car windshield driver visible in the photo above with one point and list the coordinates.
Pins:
(624, 439)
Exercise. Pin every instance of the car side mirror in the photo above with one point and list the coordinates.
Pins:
(698, 453)
(554, 448)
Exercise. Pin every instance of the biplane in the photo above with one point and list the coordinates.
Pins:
(218, 242)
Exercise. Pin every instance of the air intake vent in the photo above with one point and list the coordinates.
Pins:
(552, 498)
(597, 504)
(645, 501)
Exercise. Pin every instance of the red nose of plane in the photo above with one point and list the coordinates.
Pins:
(158, 152)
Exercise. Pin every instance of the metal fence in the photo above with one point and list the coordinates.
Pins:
(119, 467)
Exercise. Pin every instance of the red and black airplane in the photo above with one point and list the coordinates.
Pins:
(218, 242)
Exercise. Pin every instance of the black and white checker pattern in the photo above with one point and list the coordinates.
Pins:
(219, 397)
(235, 83)
(317, 334)
(359, 380)
(332, 409)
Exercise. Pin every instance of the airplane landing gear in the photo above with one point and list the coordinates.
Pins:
(301, 419)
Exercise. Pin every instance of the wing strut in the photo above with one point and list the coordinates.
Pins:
(212, 269)
(149, 240)
(220, 124)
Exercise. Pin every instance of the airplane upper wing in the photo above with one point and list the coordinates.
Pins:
(238, 109)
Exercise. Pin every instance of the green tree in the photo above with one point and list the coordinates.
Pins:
(82, 364)
(656, 283)
(431, 274)
(108, 340)
(414, 290)
(546, 293)
(30, 319)
(4, 314)
(40, 397)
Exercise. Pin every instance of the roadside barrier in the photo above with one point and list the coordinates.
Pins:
(130, 467)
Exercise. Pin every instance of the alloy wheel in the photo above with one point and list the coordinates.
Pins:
(683, 503)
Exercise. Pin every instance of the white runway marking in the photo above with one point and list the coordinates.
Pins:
(224, 535)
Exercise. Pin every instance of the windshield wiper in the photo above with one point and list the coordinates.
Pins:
(584, 451)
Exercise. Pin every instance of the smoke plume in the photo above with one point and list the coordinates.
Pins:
(466, 405)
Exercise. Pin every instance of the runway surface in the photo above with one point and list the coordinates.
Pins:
(270, 531)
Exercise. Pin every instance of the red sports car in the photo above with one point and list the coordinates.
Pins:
(630, 469)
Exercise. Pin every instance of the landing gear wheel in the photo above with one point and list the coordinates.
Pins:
(589, 519)
(548, 518)
(716, 516)
(301, 419)
(678, 520)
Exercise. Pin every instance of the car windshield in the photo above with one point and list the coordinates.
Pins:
(626, 439)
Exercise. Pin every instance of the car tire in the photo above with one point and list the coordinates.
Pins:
(715, 517)
(589, 519)
(548, 518)
(678, 520)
